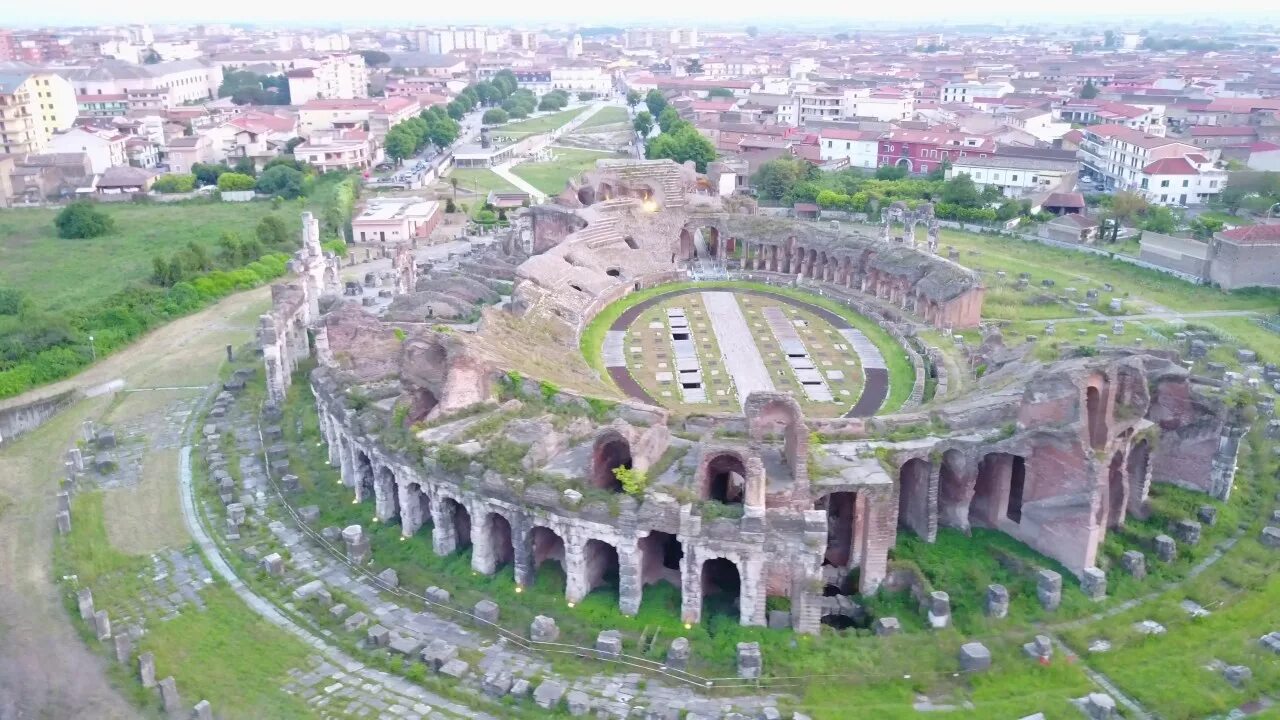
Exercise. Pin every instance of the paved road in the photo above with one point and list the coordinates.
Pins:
(737, 346)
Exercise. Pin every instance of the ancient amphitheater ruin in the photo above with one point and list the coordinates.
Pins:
(415, 388)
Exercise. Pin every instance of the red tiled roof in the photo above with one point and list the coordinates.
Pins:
(1252, 235)
(1065, 200)
(847, 134)
(1170, 166)
(1218, 130)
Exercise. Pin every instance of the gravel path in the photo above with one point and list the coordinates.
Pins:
(741, 356)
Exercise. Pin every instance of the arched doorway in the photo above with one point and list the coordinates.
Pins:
(1114, 502)
(461, 522)
(841, 526)
(386, 494)
(611, 451)
(721, 588)
(913, 496)
(602, 565)
(953, 491)
(364, 476)
(498, 529)
(547, 545)
(660, 556)
(726, 479)
(1095, 417)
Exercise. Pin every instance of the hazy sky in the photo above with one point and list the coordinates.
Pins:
(719, 12)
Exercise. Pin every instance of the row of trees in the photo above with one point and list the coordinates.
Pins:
(249, 88)
(432, 127)
(679, 141)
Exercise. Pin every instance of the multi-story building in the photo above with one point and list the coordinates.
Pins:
(378, 115)
(337, 150)
(1164, 170)
(823, 103)
(19, 132)
(1149, 119)
(883, 106)
(860, 148)
(581, 77)
(922, 151)
(104, 148)
(968, 92)
(337, 77)
(395, 220)
(49, 106)
(177, 83)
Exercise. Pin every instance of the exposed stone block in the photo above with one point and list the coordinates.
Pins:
(750, 662)
(497, 684)
(486, 610)
(886, 626)
(1208, 514)
(543, 629)
(389, 578)
(1093, 582)
(102, 625)
(378, 636)
(609, 644)
(438, 652)
(1134, 563)
(1049, 589)
(273, 564)
(1166, 548)
(579, 703)
(547, 695)
(1271, 536)
(437, 595)
(455, 668)
(997, 604)
(355, 621)
(147, 670)
(1238, 675)
(939, 610)
(1099, 706)
(974, 657)
(1187, 531)
(169, 695)
(1041, 648)
(678, 654)
(202, 710)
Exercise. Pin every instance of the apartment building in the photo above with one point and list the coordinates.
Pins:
(969, 91)
(1015, 176)
(581, 77)
(824, 103)
(922, 151)
(18, 130)
(342, 76)
(860, 148)
(1163, 170)
(172, 83)
(337, 150)
(1149, 119)
(105, 148)
(48, 102)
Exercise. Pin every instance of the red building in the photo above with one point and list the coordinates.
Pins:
(923, 151)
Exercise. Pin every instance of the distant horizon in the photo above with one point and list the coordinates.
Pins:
(658, 13)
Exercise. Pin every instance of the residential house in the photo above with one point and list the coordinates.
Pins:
(337, 150)
(969, 91)
(104, 148)
(1015, 176)
(859, 148)
(1219, 136)
(51, 176)
(185, 151)
(340, 76)
(396, 220)
(1149, 119)
(1125, 159)
(921, 151)
(1245, 257)
(124, 180)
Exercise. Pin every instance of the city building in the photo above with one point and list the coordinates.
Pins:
(178, 83)
(1246, 256)
(396, 220)
(18, 129)
(970, 91)
(105, 148)
(1015, 176)
(337, 150)
(342, 76)
(859, 148)
(36, 105)
(1164, 170)
(921, 151)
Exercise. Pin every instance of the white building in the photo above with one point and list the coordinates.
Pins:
(180, 82)
(886, 107)
(341, 76)
(104, 149)
(858, 147)
(581, 77)
(574, 49)
(1163, 170)
(967, 92)
(1015, 176)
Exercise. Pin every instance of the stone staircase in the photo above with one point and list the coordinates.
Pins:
(665, 175)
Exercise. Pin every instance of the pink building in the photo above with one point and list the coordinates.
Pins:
(923, 151)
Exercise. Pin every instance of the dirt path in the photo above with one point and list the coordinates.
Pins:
(46, 671)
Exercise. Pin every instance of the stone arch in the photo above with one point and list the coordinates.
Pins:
(992, 489)
(461, 521)
(364, 475)
(385, 494)
(955, 490)
(913, 496)
(1137, 469)
(687, 251)
(611, 450)
(723, 476)
(770, 413)
(1095, 403)
(842, 528)
(811, 259)
(721, 585)
(1115, 500)
(497, 529)
(587, 195)
(661, 554)
(547, 545)
(601, 564)
(415, 508)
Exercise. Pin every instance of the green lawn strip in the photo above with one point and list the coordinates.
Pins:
(550, 177)
(609, 115)
(901, 371)
(1064, 267)
(88, 271)
(480, 182)
(226, 653)
(540, 124)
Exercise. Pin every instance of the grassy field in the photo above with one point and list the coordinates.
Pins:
(540, 124)
(550, 177)
(63, 275)
(479, 181)
(611, 115)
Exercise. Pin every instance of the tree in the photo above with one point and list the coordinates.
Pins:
(774, 180)
(643, 123)
(668, 119)
(719, 92)
(961, 192)
(1089, 91)
(282, 181)
(374, 58)
(207, 173)
(1160, 219)
(1109, 39)
(244, 166)
(400, 143)
(694, 66)
(271, 231)
(682, 144)
(1204, 228)
(495, 116)
(1127, 206)
(175, 183)
(656, 102)
(633, 98)
(891, 172)
(81, 220)
(752, 31)
(235, 182)
(455, 110)
(449, 206)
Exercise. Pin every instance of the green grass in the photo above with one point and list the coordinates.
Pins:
(901, 371)
(550, 177)
(479, 181)
(61, 275)
(610, 115)
(226, 652)
(544, 123)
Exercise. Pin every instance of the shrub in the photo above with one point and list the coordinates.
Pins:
(633, 480)
(271, 230)
(280, 180)
(494, 116)
(81, 220)
(175, 183)
(337, 246)
(235, 182)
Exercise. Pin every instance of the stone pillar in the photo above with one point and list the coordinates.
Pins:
(997, 603)
(147, 669)
(575, 569)
(346, 460)
(690, 585)
(331, 438)
(124, 647)
(752, 591)
(630, 583)
(1049, 589)
(84, 600)
(384, 493)
(169, 695)
(102, 625)
(1094, 583)
(76, 458)
(879, 528)
(522, 544)
(444, 537)
(410, 508)
(483, 558)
